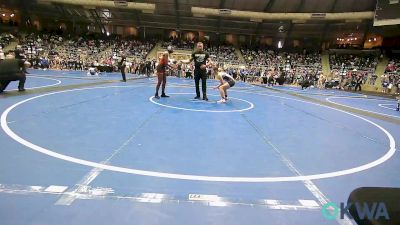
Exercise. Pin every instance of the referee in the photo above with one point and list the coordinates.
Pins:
(200, 58)
(122, 65)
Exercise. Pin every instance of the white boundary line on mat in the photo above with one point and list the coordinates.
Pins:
(251, 105)
(46, 78)
(51, 153)
(383, 114)
(383, 106)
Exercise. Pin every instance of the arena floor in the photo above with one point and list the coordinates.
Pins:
(83, 150)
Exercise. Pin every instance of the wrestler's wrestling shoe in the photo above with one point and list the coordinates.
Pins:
(221, 101)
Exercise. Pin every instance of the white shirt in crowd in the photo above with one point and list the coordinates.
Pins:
(92, 71)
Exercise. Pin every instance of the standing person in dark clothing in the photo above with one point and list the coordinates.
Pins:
(179, 68)
(200, 58)
(398, 103)
(359, 81)
(20, 55)
(148, 68)
(122, 65)
(305, 83)
(137, 67)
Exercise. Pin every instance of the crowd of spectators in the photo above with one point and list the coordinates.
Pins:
(276, 75)
(179, 44)
(366, 63)
(5, 39)
(354, 67)
(132, 48)
(39, 48)
(348, 71)
(269, 58)
(351, 80)
(271, 67)
(391, 78)
(260, 58)
(305, 60)
(223, 53)
(52, 51)
(262, 65)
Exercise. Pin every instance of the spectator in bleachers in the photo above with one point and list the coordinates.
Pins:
(392, 72)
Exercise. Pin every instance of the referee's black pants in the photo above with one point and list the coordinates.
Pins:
(358, 86)
(123, 73)
(200, 74)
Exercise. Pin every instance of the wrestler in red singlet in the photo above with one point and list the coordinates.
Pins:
(161, 74)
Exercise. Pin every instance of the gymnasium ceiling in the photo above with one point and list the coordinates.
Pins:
(176, 14)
